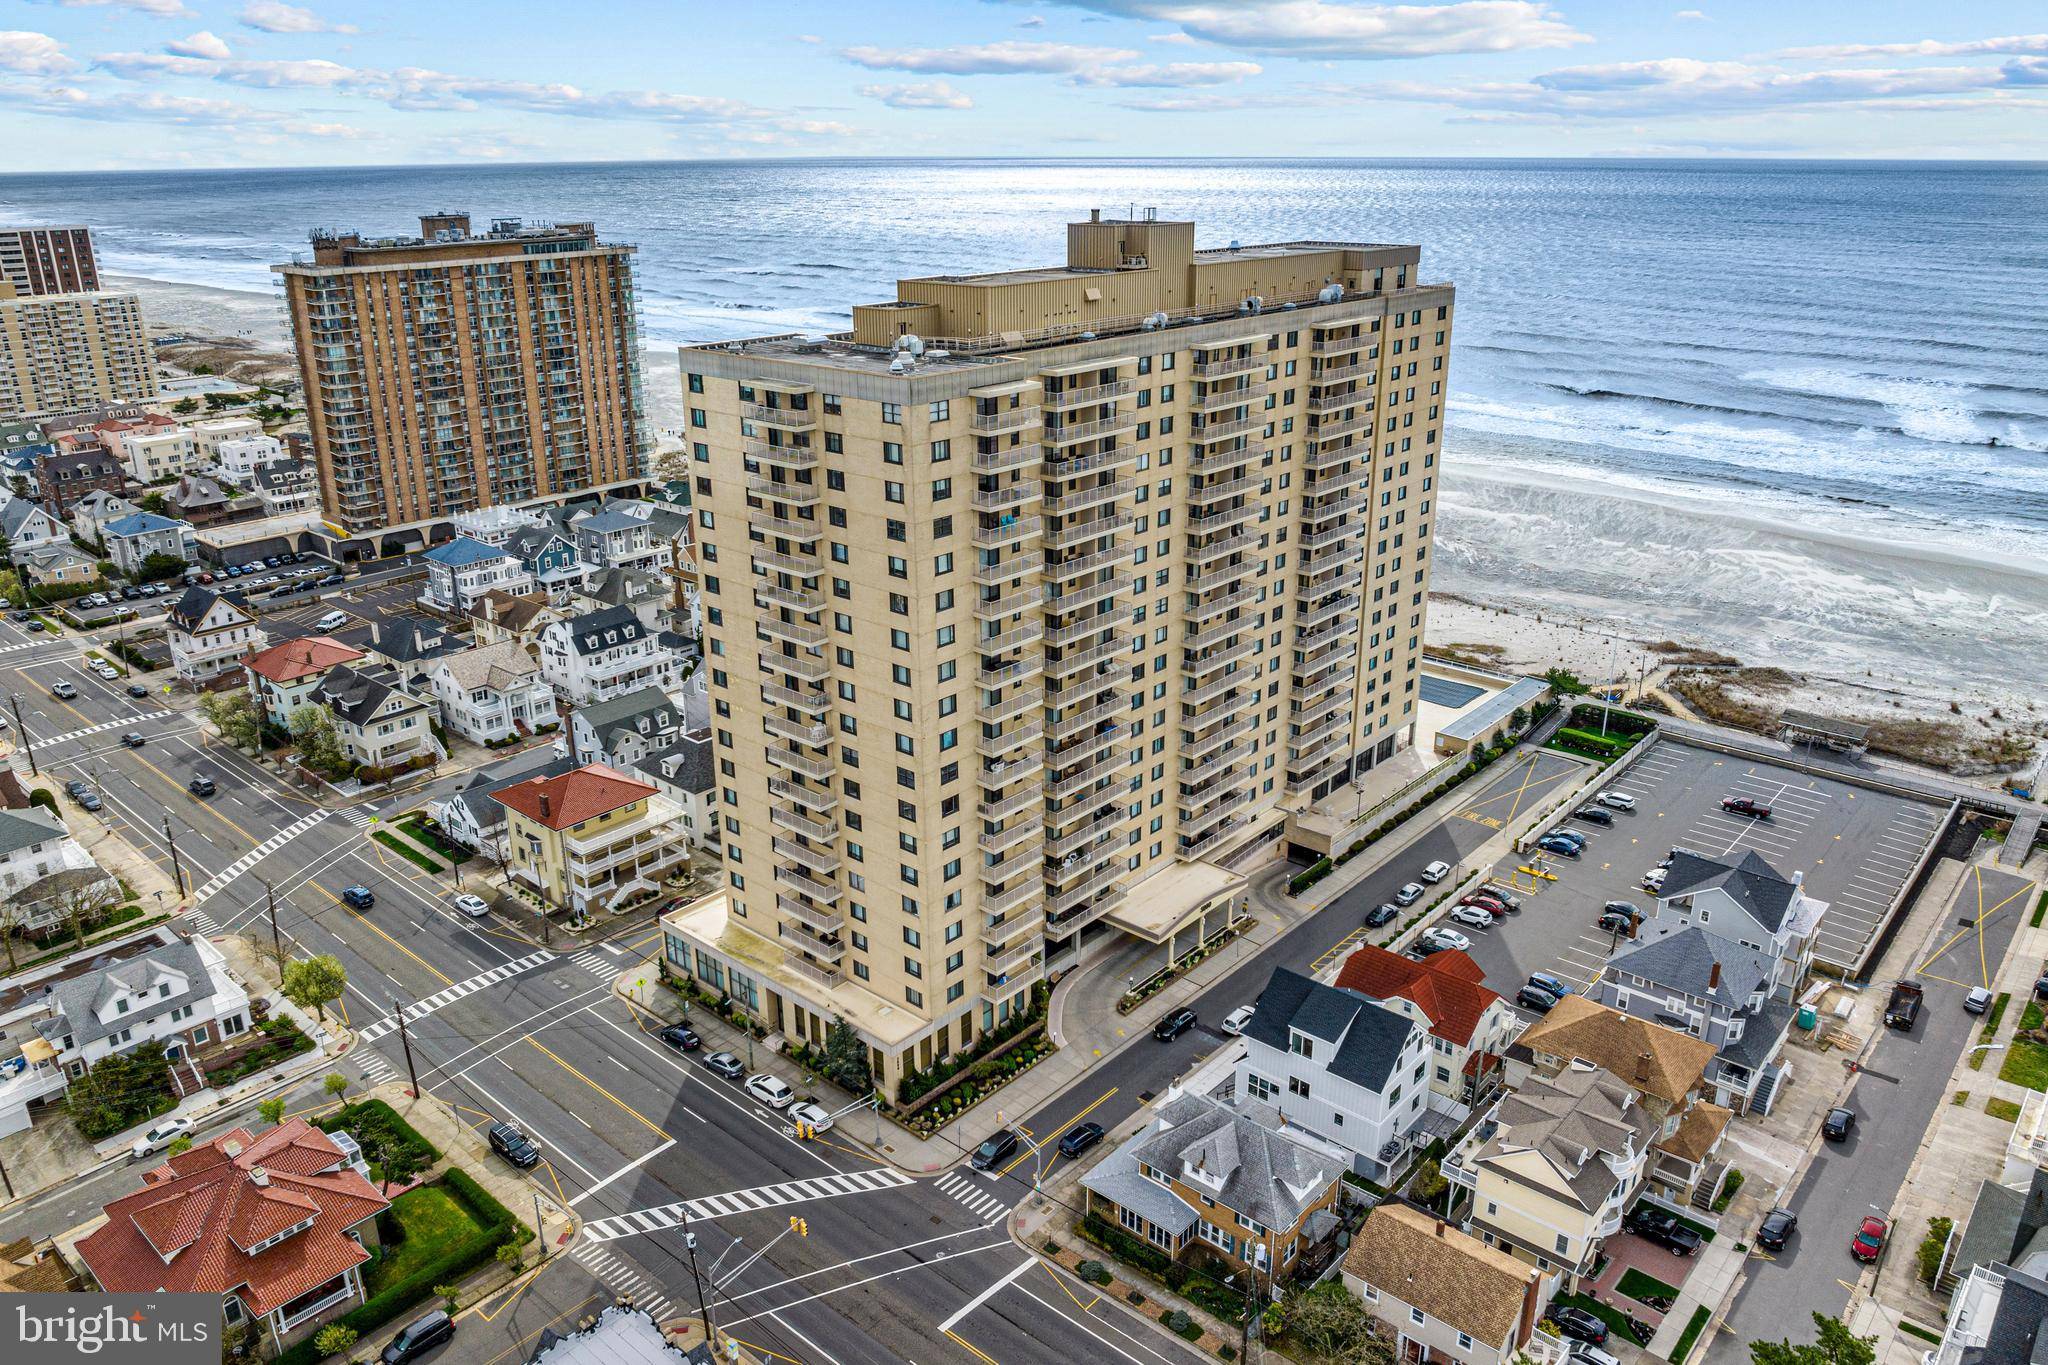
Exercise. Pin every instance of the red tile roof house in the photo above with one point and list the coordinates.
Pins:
(1469, 1026)
(285, 676)
(279, 1226)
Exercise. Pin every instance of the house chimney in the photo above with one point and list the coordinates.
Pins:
(545, 812)
(1714, 978)
(1643, 1061)
(1440, 1225)
(231, 1147)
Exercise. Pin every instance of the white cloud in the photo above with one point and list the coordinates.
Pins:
(1336, 29)
(2018, 44)
(1007, 58)
(201, 44)
(32, 54)
(920, 95)
(160, 9)
(1177, 74)
(1692, 16)
(811, 38)
(272, 16)
(183, 111)
(1035, 21)
(1176, 37)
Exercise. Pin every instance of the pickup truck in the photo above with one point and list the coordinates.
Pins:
(1903, 1009)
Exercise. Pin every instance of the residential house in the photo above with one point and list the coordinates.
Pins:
(1749, 902)
(550, 559)
(380, 723)
(200, 499)
(72, 471)
(472, 815)
(591, 839)
(1235, 1179)
(209, 634)
(92, 510)
(153, 448)
(492, 693)
(237, 460)
(1687, 977)
(285, 487)
(35, 847)
(284, 676)
(409, 645)
(53, 566)
(1335, 1064)
(514, 616)
(683, 768)
(1668, 1071)
(641, 593)
(28, 527)
(1469, 1026)
(603, 654)
(613, 538)
(279, 1226)
(1999, 1316)
(1442, 1294)
(462, 570)
(2008, 1225)
(133, 539)
(1548, 1173)
(210, 434)
(622, 731)
(494, 523)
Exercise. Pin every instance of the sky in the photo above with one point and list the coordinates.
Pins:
(149, 84)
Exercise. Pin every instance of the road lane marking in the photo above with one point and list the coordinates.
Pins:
(650, 1124)
(734, 1202)
(448, 995)
(255, 856)
(985, 1295)
(635, 1164)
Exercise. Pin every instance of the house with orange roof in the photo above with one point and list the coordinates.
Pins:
(592, 839)
(285, 676)
(1469, 1026)
(280, 1226)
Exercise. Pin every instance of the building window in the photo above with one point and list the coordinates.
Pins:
(1417, 1316)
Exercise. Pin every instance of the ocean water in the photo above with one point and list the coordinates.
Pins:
(1796, 410)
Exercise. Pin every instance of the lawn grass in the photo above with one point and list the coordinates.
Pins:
(1706, 1233)
(1691, 1334)
(2025, 1064)
(1962, 1097)
(2002, 1109)
(1616, 1320)
(1991, 1019)
(405, 850)
(416, 826)
(2031, 1017)
(2040, 910)
(1642, 1287)
(429, 1220)
(1914, 1329)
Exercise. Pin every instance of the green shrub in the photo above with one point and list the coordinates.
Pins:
(1180, 1324)
(1095, 1272)
(1931, 1247)
(1309, 876)
(1125, 1247)
(375, 1123)
(405, 850)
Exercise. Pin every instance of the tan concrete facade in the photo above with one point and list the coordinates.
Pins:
(62, 353)
(451, 372)
(1039, 583)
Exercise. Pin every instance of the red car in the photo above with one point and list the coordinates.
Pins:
(1486, 903)
(1868, 1243)
(1742, 805)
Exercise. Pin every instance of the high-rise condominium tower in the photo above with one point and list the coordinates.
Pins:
(1037, 595)
(447, 371)
(49, 260)
(63, 353)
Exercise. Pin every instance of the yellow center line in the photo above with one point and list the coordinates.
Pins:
(763, 1350)
(556, 1180)
(965, 1345)
(1960, 934)
(378, 930)
(1983, 969)
(647, 1122)
(1084, 1307)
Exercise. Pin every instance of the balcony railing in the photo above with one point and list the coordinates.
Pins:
(788, 419)
(1081, 466)
(1001, 676)
(1087, 718)
(1009, 496)
(1028, 888)
(1192, 746)
(1083, 778)
(809, 634)
(818, 921)
(1069, 567)
(823, 861)
(1093, 495)
(1340, 345)
(1219, 633)
(1209, 691)
(1076, 532)
(1027, 799)
(783, 457)
(796, 599)
(816, 799)
(1221, 575)
(1216, 461)
(1060, 399)
(1017, 702)
(817, 769)
(1087, 626)
(1013, 833)
(1215, 492)
(1224, 520)
(797, 880)
(796, 822)
(1216, 606)
(1024, 456)
(778, 490)
(803, 566)
(1011, 566)
(1016, 955)
(816, 735)
(1227, 365)
(1012, 739)
(1072, 662)
(1026, 632)
(1066, 901)
(787, 528)
(1080, 599)
(1009, 419)
(1073, 433)
(1101, 825)
(1231, 396)
(827, 977)
(1028, 598)
(1009, 532)
(796, 665)
(1208, 433)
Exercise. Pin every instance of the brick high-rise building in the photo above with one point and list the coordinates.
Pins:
(1036, 596)
(49, 260)
(448, 371)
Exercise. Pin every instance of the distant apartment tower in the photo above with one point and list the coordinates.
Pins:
(1038, 594)
(447, 371)
(65, 353)
(49, 260)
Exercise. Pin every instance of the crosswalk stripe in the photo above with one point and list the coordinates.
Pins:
(256, 855)
(370, 1033)
(733, 1202)
(106, 725)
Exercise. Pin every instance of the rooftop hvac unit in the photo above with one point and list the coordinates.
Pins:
(1330, 293)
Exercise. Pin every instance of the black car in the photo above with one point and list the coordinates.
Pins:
(133, 740)
(76, 787)
(421, 1335)
(1174, 1025)
(1835, 1127)
(131, 592)
(137, 690)
(726, 1065)
(1080, 1138)
(997, 1149)
(1778, 1225)
(515, 1146)
(1536, 998)
(333, 580)
(1594, 815)
(1617, 921)
(88, 801)
(358, 897)
(1665, 1229)
(1383, 913)
(200, 786)
(680, 1038)
(1577, 1323)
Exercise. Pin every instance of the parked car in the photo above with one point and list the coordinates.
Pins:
(1564, 848)
(1577, 1323)
(680, 1038)
(332, 580)
(1550, 982)
(75, 787)
(36, 627)
(1386, 912)
(159, 1137)
(1487, 903)
(358, 897)
(1503, 895)
(1586, 1353)
(1665, 1229)
(1575, 836)
(89, 801)
(1174, 1024)
(200, 786)
(813, 1116)
(1234, 1022)
(1536, 998)
(421, 1335)
(516, 1147)
(133, 739)
(1742, 805)
(1617, 922)
(993, 1152)
(1594, 815)
(726, 1065)
(1445, 938)
(1410, 893)
(271, 561)
(1977, 1001)
(1653, 880)
(333, 620)
(1777, 1227)
(1473, 916)
(770, 1090)
(1079, 1139)
(1836, 1126)
(1618, 800)
(64, 691)
(1868, 1243)
(476, 907)
(137, 690)
(1436, 872)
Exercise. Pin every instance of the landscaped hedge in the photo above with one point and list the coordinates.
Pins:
(285, 1039)
(1309, 876)
(1618, 721)
(368, 1121)
(499, 1228)
(915, 1085)
(404, 850)
(1316, 871)
(1593, 743)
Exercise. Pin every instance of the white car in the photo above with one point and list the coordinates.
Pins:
(1618, 800)
(1408, 894)
(1443, 938)
(770, 1090)
(333, 620)
(814, 1115)
(1653, 880)
(1476, 916)
(476, 907)
(1436, 872)
(160, 1137)
(1234, 1022)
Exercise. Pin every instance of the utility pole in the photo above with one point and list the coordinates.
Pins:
(177, 869)
(703, 1304)
(540, 1228)
(26, 742)
(405, 1041)
(276, 939)
(6, 1180)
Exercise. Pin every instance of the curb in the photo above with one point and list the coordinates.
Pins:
(1054, 1268)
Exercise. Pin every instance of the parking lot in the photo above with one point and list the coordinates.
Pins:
(364, 606)
(1853, 847)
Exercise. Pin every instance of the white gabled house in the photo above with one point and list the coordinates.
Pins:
(492, 693)
(209, 634)
(603, 654)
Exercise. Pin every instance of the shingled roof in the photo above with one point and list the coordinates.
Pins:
(1655, 1060)
(1450, 1275)
(1270, 1176)
(1368, 1037)
(578, 795)
(1751, 883)
(290, 660)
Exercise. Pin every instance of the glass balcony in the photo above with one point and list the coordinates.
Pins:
(1010, 532)
(1073, 433)
(786, 419)
(1004, 421)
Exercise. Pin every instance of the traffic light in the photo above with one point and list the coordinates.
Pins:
(807, 1131)
(800, 1226)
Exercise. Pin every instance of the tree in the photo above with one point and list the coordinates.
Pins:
(509, 1255)
(272, 1110)
(178, 1145)
(448, 1296)
(85, 904)
(233, 1342)
(334, 1338)
(320, 748)
(234, 716)
(336, 1084)
(1330, 1324)
(313, 982)
(121, 1091)
(1837, 1346)
(185, 407)
(397, 1158)
(846, 1058)
(153, 502)
(160, 565)
(1429, 1182)
(1564, 681)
